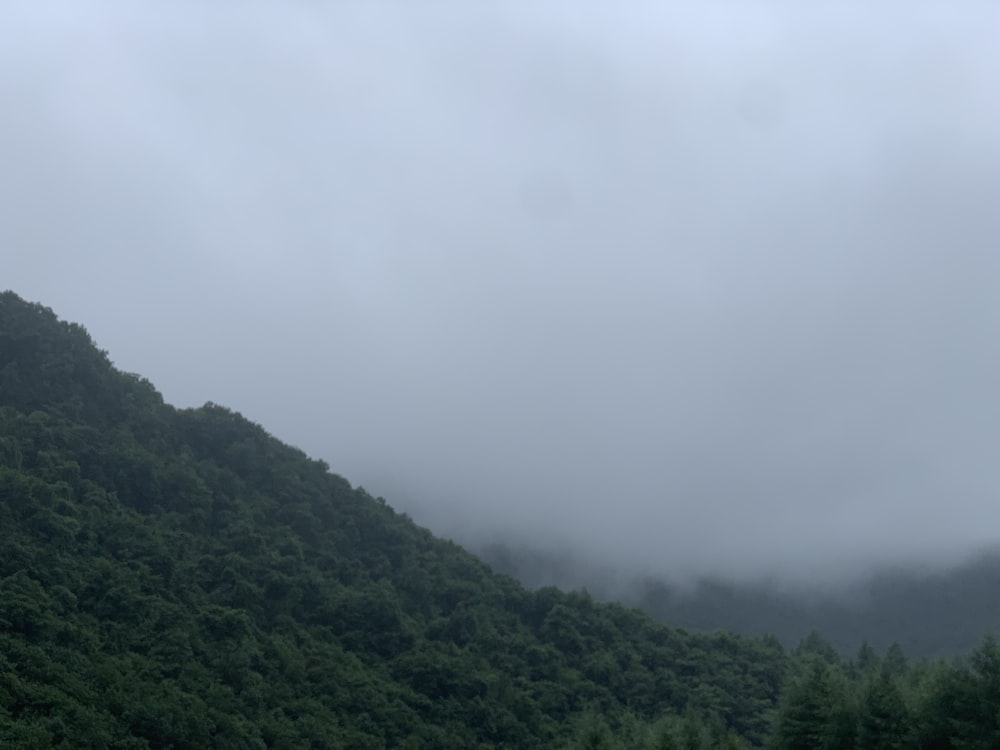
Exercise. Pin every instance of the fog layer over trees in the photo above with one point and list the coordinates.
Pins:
(688, 288)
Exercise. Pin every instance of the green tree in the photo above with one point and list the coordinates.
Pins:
(884, 722)
(895, 661)
(814, 712)
(867, 661)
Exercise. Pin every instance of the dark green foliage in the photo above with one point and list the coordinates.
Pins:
(815, 645)
(883, 722)
(970, 698)
(933, 706)
(895, 661)
(867, 660)
(815, 713)
(179, 578)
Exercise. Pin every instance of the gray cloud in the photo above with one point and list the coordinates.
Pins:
(693, 287)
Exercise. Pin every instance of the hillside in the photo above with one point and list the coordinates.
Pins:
(174, 577)
(179, 578)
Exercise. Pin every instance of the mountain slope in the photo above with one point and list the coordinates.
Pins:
(179, 578)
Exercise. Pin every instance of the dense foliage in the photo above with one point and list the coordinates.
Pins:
(179, 578)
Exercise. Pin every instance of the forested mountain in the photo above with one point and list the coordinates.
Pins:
(929, 612)
(179, 578)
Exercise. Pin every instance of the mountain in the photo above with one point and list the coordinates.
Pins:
(178, 578)
(928, 612)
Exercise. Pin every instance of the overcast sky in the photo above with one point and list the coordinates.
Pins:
(690, 286)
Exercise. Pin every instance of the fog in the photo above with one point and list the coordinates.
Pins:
(687, 288)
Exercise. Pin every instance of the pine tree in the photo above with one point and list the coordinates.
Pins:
(867, 660)
(814, 714)
(883, 722)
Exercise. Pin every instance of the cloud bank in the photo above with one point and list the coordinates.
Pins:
(690, 287)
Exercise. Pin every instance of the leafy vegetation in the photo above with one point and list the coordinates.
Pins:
(179, 578)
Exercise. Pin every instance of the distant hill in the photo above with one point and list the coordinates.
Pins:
(928, 613)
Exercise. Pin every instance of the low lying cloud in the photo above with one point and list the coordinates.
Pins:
(697, 287)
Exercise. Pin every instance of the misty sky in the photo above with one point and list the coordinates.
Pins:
(690, 286)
